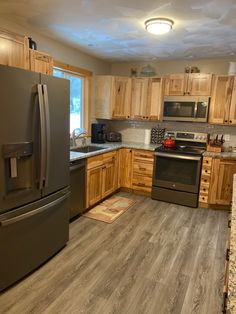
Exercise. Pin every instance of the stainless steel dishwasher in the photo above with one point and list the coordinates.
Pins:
(77, 186)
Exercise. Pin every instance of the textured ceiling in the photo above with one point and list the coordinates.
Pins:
(114, 29)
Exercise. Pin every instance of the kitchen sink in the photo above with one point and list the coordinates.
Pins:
(87, 149)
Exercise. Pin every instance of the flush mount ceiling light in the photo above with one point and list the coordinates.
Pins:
(158, 25)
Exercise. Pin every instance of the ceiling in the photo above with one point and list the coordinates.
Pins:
(114, 29)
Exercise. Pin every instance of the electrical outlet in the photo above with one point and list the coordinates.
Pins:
(227, 137)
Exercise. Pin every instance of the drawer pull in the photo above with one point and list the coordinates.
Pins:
(204, 189)
(141, 184)
(143, 169)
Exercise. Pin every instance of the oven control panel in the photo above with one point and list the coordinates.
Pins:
(187, 136)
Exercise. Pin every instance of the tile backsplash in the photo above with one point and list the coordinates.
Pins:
(134, 131)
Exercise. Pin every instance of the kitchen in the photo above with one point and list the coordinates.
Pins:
(150, 222)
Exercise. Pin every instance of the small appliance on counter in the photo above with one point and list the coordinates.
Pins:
(113, 137)
(98, 133)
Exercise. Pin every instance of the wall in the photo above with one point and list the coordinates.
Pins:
(217, 66)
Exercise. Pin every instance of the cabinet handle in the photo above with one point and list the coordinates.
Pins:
(230, 121)
(203, 198)
(226, 120)
(229, 223)
(205, 180)
(204, 189)
(206, 171)
(227, 254)
(207, 162)
(224, 303)
(143, 169)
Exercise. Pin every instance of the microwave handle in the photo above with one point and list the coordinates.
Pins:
(195, 110)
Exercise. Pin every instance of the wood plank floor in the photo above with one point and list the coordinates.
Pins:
(156, 258)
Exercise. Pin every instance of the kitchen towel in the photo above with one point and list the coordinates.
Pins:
(147, 136)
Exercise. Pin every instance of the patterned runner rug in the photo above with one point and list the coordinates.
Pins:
(110, 209)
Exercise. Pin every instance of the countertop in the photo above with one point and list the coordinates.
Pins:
(110, 147)
(232, 259)
(227, 155)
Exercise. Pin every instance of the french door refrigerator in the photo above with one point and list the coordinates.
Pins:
(34, 170)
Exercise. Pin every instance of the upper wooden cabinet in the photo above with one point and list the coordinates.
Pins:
(14, 50)
(195, 84)
(139, 96)
(155, 98)
(223, 100)
(113, 97)
(41, 62)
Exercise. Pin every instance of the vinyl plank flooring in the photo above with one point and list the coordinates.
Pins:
(156, 258)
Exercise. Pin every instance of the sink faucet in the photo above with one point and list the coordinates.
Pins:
(76, 133)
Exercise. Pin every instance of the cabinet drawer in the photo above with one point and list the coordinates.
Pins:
(207, 161)
(206, 171)
(205, 179)
(145, 169)
(141, 181)
(143, 155)
(203, 198)
(109, 156)
(95, 161)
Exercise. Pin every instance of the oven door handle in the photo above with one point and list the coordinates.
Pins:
(198, 158)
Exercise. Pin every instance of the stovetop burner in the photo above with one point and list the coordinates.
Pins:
(180, 149)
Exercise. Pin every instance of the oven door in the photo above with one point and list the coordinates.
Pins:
(177, 172)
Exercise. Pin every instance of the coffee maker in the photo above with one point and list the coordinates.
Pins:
(98, 133)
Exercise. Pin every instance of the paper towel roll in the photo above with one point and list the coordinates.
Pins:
(147, 136)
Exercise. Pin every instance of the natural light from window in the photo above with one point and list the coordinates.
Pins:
(76, 97)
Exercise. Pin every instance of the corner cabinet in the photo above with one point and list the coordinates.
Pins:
(113, 97)
(223, 100)
(195, 84)
(14, 50)
(216, 183)
(40, 62)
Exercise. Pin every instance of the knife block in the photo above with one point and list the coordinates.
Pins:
(216, 148)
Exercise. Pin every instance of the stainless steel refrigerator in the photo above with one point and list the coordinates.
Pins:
(34, 170)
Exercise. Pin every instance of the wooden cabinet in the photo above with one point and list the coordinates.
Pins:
(125, 167)
(142, 169)
(223, 100)
(41, 62)
(221, 186)
(102, 177)
(113, 97)
(139, 96)
(155, 98)
(216, 183)
(195, 84)
(14, 50)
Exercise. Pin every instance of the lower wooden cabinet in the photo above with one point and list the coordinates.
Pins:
(142, 169)
(102, 177)
(125, 168)
(217, 181)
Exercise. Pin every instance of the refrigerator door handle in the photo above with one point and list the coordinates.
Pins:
(6, 222)
(48, 139)
(42, 137)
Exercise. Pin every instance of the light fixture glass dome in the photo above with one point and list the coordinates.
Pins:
(158, 26)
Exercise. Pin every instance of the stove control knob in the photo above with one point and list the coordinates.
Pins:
(200, 137)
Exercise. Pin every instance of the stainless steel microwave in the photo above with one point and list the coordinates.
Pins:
(186, 108)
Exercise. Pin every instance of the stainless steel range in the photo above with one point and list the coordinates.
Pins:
(177, 170)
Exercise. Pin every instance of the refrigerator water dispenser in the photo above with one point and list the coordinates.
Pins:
(18, 166)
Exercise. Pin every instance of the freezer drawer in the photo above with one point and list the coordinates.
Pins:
(32, 234)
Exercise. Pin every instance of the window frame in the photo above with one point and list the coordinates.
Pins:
(86, 91)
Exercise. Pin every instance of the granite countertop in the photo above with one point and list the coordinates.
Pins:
(232, 260)
(227, 155)
(110, 147)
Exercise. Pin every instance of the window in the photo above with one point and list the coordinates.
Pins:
(80, 88)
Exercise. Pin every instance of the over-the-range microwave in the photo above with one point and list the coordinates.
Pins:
(186, 108)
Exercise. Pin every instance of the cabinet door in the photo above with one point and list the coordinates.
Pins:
(232, 112)
(121, 97)
(94, 186)
(199, 84)
(41, 62)
(139, 98)
(221, 184)
(155, 99)
(125, 167)
(103, 98)
(14, 50)
(175, 84)
(108, 173)
(220, 100)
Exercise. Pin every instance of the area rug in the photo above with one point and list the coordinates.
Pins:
(110, 209)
